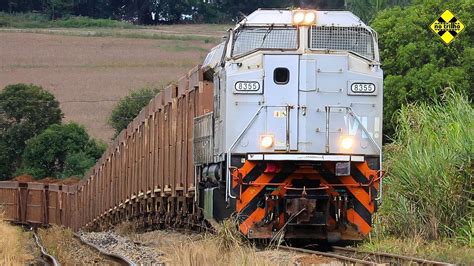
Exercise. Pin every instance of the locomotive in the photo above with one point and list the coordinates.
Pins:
(293, 145)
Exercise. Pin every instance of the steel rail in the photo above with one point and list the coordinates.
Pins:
(115, 257)
(403, 259)
(330, 255)
(47, 257)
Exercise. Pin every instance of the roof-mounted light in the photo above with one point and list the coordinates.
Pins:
(298, 17)
(304, 17)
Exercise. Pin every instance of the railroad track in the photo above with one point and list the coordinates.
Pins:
(49, 259)
(111, 256)
(353, 256)
(383, 257)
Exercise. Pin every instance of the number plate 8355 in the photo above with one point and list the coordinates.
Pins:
(247, 86)
(361, 87)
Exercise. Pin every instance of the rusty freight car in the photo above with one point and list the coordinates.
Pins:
(149, 168)
(37, 204)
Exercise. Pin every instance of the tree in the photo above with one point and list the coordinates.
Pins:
(25, 111)
(59, 8)
(129, 107)
(368, 9)
(418, 66)
(60, 151)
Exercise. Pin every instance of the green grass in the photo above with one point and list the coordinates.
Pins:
(429, 183)
(428, 207)
(35, 20)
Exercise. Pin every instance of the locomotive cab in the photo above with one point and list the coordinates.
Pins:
(295, 140)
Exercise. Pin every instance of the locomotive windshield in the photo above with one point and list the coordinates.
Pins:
(249, 39)
(354, 39)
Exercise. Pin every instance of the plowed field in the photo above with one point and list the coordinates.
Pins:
(89, 74)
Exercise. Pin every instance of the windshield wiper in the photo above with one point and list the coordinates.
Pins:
(270, 29)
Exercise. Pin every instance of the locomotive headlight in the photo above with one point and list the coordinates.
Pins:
(266, 141)
(298, 17)
(309, 18)
(304, 17)
(347, 142)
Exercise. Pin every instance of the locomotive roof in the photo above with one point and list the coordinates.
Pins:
(284, 17)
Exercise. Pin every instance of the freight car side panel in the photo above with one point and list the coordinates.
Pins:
(53, 195)
(35, 204)
(9, 195)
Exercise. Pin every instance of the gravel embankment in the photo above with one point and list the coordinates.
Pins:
(113, 243)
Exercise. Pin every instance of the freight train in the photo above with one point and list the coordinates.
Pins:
(280, 128)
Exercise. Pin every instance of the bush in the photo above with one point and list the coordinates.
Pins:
(25, 111)
(417, 64)
(24, 20)
(86, 22)
(60, 151)
(129, 107)
(35, 20)
(430, 172)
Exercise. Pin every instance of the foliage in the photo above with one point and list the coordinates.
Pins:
(34, 20)
(129, 107)
(59, 8)
(23, 20)
(367, 9)
(416, 63)
(86, 22)
(430, 177)
(172, 11)
(25, 111)
(60, 151)
(166, 11)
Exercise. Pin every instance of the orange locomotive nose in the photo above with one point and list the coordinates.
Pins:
(304, 201)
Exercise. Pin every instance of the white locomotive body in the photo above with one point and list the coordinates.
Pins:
(295, 90)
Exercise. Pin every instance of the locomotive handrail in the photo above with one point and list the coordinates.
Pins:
(228, 193)
(353, 114)
(231, 148)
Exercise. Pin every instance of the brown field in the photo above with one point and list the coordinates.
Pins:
(89, 74)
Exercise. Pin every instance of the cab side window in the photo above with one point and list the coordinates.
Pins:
(281, 75)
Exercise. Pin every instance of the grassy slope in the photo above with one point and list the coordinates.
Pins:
(428, 208)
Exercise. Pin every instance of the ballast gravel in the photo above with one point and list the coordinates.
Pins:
(119, 245)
